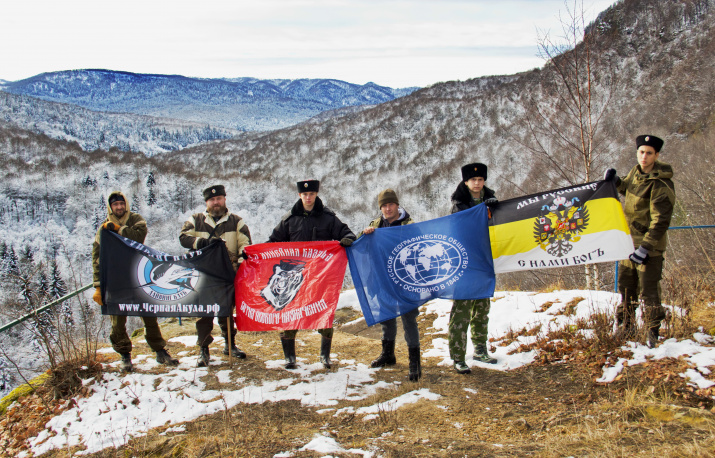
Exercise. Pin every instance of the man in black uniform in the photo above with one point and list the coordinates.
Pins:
(310, 221)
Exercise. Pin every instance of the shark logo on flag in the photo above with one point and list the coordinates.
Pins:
(560, 225)
(166, 281)
(284, 284)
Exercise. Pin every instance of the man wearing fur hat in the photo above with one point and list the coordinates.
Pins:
(132, 226)
(392, 215)
(217, 222)
(471, 191)
(649, 200)
(309, 220)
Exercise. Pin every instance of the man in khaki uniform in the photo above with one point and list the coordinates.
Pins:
(217, 222)
(132, 226)
(649, 200)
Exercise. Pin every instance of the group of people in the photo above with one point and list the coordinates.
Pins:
(649, 201)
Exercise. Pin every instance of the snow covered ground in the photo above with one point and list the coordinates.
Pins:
(127, 406)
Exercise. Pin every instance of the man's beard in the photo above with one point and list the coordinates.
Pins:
(217, 212)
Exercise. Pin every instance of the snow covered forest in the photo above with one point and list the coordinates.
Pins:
(653, 72)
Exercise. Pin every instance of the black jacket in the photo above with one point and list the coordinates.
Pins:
(318, 224)
(462, 199)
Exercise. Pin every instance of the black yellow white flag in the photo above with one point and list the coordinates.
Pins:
(571, 226)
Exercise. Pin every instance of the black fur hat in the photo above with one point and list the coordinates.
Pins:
(476, 169)
(650, 140)
(213, 191)
(308, 186)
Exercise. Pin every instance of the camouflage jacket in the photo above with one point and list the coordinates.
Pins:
(131, 225)
(462, 199)
(401, 220)
(230, 228)
(649, 202)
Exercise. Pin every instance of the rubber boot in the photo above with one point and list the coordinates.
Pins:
(325, 344)
(204, 357)
(163, 357)
(127, 362)
(289, 352)
(481, 354)
(415, 364)
(387, 357)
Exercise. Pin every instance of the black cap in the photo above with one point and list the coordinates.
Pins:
(308, 186)
(116, 196)
(213, 191)
(649, 140)
(476, 169)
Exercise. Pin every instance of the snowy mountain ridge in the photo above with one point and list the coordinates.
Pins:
(247, 104)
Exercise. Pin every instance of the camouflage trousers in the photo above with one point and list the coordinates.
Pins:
(121, 343)
(640, 282)
(327, 333)
(466, 313)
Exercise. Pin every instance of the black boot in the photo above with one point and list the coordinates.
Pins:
(235, 352)
(653, 333)
(387, 357)
(163, 357)
(127, 362)
(481, 354)
(204, 357)
(289, 352)
(415, 364)
(325, 343)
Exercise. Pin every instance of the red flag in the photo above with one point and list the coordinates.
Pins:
(292, 285)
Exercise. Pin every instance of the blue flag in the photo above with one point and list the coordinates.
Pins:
(397, 269)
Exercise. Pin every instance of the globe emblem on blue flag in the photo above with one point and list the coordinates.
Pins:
(427, 262)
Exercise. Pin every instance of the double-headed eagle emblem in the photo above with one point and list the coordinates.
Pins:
(559, 225)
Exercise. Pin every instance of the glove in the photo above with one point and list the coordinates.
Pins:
(610, 175)
(110, 226)
(243, 255)
(491, 202)
(97, 296)
(202, 243)
(346, 242)
(640, 256)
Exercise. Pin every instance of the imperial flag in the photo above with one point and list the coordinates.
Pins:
(570, 226)
(139, 281)
(396, 269)
(294, 285)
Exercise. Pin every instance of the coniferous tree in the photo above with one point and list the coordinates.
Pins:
(100, 213)
(13, 264)
(58, 288)
(135, 204)
(151, 196)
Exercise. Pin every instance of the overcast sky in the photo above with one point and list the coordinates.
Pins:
(396, 43)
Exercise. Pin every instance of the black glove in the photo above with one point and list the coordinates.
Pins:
(346, 242)
(202, 243)
(491, 202)
(243, 255)
(610, 175)
(640, 256)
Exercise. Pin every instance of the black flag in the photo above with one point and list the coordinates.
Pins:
(140, 281)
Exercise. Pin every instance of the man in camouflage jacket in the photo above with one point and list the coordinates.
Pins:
(217, 222)
(649, 201)
(132, 226)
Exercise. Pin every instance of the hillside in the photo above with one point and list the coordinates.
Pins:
(245, 104)
(657, 70)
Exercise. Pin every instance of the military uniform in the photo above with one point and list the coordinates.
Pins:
(133, 227)
(233, 231)
(470, 312)
(649, 203)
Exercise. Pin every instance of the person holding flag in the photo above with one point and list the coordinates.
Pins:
(649, 201)
(132, 226)
(309, 220)
(217, 223)
(393, 215)
(470, 192)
